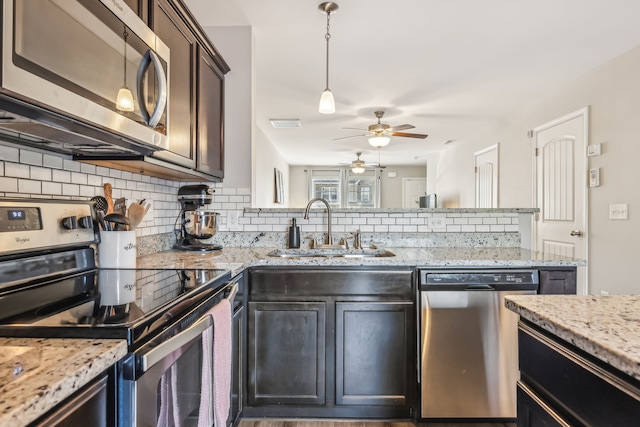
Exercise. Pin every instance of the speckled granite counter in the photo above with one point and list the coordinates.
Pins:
(236, 259)
(53, 369)
(607, 327)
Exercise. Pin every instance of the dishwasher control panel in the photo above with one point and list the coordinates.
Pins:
(478, 277)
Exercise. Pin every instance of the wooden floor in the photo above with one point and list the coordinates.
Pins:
(351, 423)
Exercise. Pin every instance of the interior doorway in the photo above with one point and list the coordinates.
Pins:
(487, 177)
(412, 190)
(560, 192)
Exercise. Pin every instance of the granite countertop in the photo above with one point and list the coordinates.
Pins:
(606, 327)
(237, 259)
(48, 371)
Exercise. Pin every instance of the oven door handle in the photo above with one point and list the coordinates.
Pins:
(163, 350)
(147, 360)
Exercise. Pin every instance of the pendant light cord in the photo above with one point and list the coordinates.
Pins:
(125, 56)
(327, 37)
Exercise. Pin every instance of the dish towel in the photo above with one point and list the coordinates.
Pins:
(216, 368)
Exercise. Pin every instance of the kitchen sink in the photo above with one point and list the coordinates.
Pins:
(327, 253)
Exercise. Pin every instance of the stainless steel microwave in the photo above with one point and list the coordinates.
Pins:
(64, 64)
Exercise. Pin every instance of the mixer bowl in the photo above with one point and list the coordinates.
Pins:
(201, 224)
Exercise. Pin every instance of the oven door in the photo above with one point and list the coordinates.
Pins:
(74, 56)
(167, 391)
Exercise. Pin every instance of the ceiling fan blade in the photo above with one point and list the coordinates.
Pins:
(401, 127)
(410, 135)
(364, 130)
(351, 136)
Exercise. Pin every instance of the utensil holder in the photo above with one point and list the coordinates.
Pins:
(117, 249)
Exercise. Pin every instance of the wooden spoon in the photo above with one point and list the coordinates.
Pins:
(136, 215)
(108, 194)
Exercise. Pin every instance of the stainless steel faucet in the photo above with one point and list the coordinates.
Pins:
(306, 216)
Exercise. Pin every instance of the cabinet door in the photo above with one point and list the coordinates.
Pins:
(172, 30)
(286, 361)
(374, 353)
(210, 142)
(558, 281)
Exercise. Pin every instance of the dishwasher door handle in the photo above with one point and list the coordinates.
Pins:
(479, 287)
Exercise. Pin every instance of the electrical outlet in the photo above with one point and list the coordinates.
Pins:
(436, 223)
(604, 293)
(232, 221)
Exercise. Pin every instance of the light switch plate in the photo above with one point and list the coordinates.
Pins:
(594, 150)
(594, 177)
(619, 211)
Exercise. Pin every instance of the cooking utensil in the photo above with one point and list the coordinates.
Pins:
(118, 220)
(108, 194)
(120, 206)
(136, 215)
(100, 203)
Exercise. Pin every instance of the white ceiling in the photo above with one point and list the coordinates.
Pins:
(449, 67)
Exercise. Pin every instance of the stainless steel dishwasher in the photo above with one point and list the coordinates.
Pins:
(469, 353)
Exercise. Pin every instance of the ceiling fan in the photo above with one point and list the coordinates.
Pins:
(359, 166)
(380, 133)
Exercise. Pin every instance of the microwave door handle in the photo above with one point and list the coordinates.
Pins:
(148, 58)
(174, 343)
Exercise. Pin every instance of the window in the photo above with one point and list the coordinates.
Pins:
(344, 189)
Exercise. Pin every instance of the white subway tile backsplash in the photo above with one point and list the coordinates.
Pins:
(50, 161)
(16, 170)
(8, 185)
(10, 154)
(52, 188)
(28, 186)
(30, 158)
(40, 173)
(61, 176)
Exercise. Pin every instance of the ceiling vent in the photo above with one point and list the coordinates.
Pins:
(285, 123)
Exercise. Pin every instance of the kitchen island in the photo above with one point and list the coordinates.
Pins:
(40, 373)
(579, 358)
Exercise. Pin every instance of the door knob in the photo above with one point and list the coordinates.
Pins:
(577, 233)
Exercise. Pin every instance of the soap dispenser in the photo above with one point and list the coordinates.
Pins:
(294, 235)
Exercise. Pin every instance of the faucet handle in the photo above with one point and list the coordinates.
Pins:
(343, 242)
(357, 244)
(312, 243)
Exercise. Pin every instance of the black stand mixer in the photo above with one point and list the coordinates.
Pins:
(196, 225)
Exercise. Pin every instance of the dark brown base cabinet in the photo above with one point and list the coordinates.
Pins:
(331, 343)
(560, 385)
(557, 280)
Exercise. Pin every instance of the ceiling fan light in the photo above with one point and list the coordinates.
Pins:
(327, 104)
(379, 141)
(357, 169)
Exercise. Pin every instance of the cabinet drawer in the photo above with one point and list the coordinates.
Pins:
(575, 385)
(326, 282)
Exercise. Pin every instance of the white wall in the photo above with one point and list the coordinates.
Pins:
(235, 44)
(266, 158)
(391, 188)
(612, 91)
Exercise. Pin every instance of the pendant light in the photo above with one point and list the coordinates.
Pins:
(124, 100)
(327, 103)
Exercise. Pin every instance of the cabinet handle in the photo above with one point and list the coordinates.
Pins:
(148, 58)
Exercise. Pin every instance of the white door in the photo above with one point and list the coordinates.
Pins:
(487, 177)
(561, 188)
(412, 190)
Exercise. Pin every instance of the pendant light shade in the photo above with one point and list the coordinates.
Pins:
(379, 141)
(327, 103)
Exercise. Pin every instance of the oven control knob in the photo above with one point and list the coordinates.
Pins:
(70, 223)
(85, 222)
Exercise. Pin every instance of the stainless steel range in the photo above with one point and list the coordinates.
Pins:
(50, 286)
